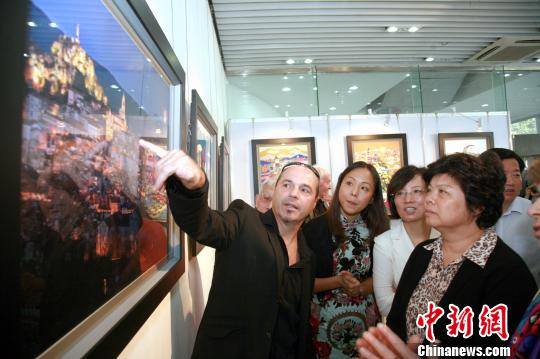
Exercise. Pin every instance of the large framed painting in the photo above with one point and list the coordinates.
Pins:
(270, 155)
(204, 150)
(224, 175)
(387, 153)
(473, 143)
(99, 77)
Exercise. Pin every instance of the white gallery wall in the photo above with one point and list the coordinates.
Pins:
(170, 331)
(330, 138)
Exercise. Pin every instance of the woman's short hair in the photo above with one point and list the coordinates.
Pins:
(399, 180)
(481, 183)
(533, 172)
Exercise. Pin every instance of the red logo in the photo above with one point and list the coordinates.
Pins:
(429, 319)
(460, 321)
(494, 321)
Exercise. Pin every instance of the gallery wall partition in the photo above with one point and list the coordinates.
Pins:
(99, 248)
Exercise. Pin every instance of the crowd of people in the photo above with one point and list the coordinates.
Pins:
(365, 278)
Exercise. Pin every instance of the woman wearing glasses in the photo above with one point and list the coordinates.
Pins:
(406, 194)
(343, 305)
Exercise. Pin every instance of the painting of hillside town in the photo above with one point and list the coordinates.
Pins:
(387, 153)
(91, 222)
(269, 156)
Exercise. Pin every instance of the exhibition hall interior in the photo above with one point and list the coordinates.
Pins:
(101, 89)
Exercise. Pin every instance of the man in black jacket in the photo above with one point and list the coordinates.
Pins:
(259, 301)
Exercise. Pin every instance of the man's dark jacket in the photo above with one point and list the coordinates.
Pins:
(242, 308)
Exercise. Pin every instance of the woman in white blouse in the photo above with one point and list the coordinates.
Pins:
(406, 193)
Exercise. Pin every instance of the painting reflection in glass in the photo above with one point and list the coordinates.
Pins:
(90, 221)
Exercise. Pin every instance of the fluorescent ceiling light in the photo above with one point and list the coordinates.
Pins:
(435, 90)
(391, 29)
(413, 29)
(353, 87)
(286, 89)
(332, 108)
(285, 77)
(314, 89)
(538, 59)
(308, 61)
(53, 25)
(413, 86)
(31, 24)
(290, 61)
(485, 105)
(429, 59)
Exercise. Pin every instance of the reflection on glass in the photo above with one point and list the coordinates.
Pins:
(90, 221)
(205, 150)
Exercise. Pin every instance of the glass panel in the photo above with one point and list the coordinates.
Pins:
(270, 96)
(91, 223)
(523, 93)
(369, 93)
(205, 151)
(457, 90)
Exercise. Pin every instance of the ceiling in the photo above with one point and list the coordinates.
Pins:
(260, 35)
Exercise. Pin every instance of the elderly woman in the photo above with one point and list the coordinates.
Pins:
(381, 342)
(468, 265)
(406, 192)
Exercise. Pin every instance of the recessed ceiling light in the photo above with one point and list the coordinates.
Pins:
(308, 61)
(31, 24)
(353, 87)
(413, 29)
(349, 91)
(538, 59)
(336, 92)
(314, 76)
(332, 108)
(244, 74)
(485, 105)
(391, 29)
(407, 75)
(435, 90)
(286, 89)
(301, 77)
(369, 103)
(289, 106)
(147, 59)
(314, 89)
(141, 107)
(53, 25)
(445, 102)
(285, 77)
(413, 86)
(276, 106)
(290, 61)
(520, 75)
(311, 105)
(429, 59)
(113, 86)
(506, 75)
(25, 54)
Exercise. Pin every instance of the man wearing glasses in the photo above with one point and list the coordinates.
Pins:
(259, 301)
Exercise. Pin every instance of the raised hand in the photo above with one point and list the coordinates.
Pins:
(176, 163)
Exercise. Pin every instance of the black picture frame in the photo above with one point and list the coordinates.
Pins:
(386, 152)
(107, 331)
(224, 175)
(304, 144)
(200, 120)
(471, 142)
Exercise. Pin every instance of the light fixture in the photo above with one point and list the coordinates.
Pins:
(288, 106)
(290, 61)
(285, 77)
(538, 59)
(353, 87)
(31, 24)
(276, 106)
(445, 102)
(308, 61)
(158, 130)
(520, 75)
(506, 75)
(301, 77)
(147, 59)
(141, 107)
(25, 54)
(53, 25)
(407, 75)
(429, 59)
(336, 92)
(413, 29)
(286, 89)
(113, 86)
(244, 74)
(485, 105)
(332, 108)
(413, 86)
(314, 89)
(349, 91)
(391, 29)
(435, 90)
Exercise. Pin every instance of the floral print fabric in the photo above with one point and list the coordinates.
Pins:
(337, 319)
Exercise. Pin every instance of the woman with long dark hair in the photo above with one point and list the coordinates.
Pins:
(342, 239)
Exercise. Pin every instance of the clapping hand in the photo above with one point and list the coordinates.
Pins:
(381, 342)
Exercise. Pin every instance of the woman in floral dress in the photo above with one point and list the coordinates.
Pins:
(343, 304)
